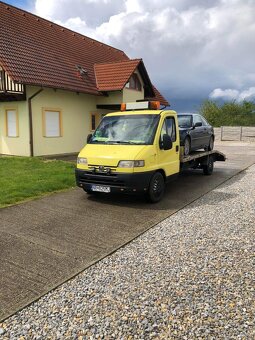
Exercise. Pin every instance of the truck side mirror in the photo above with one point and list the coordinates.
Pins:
(167, 143)
(89, 137)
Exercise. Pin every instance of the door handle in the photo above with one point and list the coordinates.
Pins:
(177, 148)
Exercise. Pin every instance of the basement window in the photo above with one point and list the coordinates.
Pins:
(134, 83)
(12, 123)
(52, 123)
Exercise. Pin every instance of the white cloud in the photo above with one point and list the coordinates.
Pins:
(133, 6)
(93, 12)
(231, 94)
(247, 94)
(189, 47)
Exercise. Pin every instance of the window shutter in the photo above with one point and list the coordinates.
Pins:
(52, 124)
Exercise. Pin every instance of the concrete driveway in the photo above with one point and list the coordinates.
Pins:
(47, 241)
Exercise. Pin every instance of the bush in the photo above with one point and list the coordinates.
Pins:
(229, 113)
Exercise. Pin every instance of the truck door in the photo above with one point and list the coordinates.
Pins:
(169, 159)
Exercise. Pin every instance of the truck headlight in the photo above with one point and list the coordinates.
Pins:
(130, 164)
(82, 160)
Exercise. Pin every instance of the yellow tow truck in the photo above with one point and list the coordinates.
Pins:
(137, 150)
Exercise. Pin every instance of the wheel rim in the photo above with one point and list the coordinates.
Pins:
(211, 144)
(186, 147)
(157, 186)
(210, 165)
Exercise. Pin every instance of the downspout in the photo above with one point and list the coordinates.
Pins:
(30, 117)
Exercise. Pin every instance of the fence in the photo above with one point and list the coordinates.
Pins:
(235, 133)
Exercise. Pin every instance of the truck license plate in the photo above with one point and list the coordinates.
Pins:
(100, 188)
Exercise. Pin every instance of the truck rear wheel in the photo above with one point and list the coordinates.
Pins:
(208, 168)
(156, 188)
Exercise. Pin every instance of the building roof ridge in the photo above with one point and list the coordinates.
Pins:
(119, 61)
(62, 28)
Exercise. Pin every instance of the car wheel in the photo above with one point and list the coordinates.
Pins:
(156, 188)
(208, 168)
(187, 146)
(210, 145)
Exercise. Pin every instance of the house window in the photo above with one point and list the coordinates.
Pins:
(95, 120)
(12, 123)
(134, 83)
(52, 123)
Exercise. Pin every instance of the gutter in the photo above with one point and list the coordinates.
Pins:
(30, 118)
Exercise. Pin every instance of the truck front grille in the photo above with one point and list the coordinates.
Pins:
(102, 169)
(98, 178)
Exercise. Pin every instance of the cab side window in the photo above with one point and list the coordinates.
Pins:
(171, 128)
(168, 128)
(163, 131)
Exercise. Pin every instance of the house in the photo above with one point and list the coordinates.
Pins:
(56, 84)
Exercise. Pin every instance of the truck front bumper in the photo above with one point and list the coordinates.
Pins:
(117, 182)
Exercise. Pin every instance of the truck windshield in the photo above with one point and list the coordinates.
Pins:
(126, 129)
(185, 121)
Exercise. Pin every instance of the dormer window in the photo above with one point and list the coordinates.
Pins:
(134, 83)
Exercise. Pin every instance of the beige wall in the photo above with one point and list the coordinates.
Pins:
(76, 112)
(76, 120)
(125, 96)
(15, 145)
(115, 97)
(130, 95)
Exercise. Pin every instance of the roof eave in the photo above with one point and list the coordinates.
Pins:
(64, 88)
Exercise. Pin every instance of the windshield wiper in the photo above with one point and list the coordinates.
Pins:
(95, 141)
(120, 142)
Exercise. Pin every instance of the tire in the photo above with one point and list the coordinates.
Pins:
(208, 168)
(187, 146)
(210, 145)
(89, 192)
(156, 188)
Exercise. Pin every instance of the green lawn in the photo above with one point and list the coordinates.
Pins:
(23, 178)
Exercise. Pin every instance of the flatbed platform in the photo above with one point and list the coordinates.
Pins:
(201, 160)
(195, 155)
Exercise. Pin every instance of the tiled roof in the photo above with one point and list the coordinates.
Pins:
(114, 76)
(158, 96)
(35, 51)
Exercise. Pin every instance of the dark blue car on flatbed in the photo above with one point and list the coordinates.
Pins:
(195, 133)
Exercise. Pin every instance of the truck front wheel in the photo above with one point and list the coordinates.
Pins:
(89, 192)
(156, 188)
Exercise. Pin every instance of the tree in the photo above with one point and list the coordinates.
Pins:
(229, 113)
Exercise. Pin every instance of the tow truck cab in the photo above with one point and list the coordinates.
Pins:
(134, 150)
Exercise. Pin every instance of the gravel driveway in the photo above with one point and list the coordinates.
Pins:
(190, 277)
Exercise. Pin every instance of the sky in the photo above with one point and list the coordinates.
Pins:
(192, 49)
